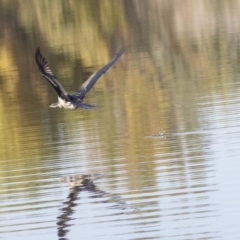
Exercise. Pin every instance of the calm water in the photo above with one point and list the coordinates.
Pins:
(160, 159)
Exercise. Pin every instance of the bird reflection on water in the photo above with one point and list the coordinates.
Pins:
(77, 184)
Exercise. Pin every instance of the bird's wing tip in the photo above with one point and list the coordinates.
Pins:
(37, 51)
(121, 51)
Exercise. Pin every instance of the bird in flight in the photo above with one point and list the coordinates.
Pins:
(74, 100)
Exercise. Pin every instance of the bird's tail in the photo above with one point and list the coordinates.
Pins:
(88, 106)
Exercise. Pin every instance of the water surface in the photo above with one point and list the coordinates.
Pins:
(159, 159)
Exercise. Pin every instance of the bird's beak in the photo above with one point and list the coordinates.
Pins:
(54, 105)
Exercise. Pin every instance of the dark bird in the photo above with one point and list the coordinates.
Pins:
(75, 100)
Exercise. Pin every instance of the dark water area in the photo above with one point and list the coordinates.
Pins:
(159, 159)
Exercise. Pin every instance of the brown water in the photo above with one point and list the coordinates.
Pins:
(160, 159)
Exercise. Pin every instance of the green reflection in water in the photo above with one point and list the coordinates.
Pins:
(175, 54)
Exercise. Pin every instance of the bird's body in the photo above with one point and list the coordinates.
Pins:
(75, 100)
(65, 104)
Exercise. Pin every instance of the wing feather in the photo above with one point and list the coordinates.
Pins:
(88, 84)
(48, 74)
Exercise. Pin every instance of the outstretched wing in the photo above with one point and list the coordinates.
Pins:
(47, 73)
(88, 84)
